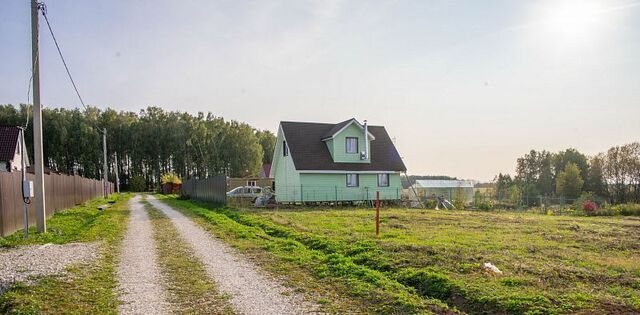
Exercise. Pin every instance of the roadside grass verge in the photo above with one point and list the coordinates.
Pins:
(338, 284)
(551, 264)
(82, 223)
(85, 289)
(190, 289)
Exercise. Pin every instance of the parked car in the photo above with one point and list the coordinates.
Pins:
(249, 192)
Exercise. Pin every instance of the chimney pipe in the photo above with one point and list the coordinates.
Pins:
(366, 140)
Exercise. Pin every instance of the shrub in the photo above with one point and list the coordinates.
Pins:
(171, 178)
(589, 206)
(626, 209)
(138, 184)
(485, 205)
(430, 203)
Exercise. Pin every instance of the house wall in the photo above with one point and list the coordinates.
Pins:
(286, 176)
(340, 154)
(330, 144)
(333, 187)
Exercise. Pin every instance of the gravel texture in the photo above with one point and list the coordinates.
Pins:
(139, 278)
(250, 291)
(23, 263)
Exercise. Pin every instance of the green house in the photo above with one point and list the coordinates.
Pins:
(347, 161)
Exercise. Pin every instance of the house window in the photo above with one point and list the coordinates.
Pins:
(352, 145)
(352, 180)
(251, 183)
(383, 180)
(285, 149)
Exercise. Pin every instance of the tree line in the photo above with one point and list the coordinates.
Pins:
(613, 175)
(148, 143)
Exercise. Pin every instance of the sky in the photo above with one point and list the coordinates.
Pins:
(464, 87)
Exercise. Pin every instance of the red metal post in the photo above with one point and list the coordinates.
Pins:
(377, 214)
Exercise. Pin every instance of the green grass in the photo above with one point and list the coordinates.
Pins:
(86, 289)
(431, 260)
(190, 289)
(83, 223)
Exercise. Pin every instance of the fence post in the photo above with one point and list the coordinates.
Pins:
(336, 187)
(377, 214)
(301, 195)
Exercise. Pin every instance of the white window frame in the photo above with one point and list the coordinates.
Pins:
(252, 183)
(350, 184)
(383, 175)
(346, 145)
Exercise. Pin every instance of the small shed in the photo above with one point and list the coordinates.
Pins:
(447, 188)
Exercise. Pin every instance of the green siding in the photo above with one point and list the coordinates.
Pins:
(286, 176)
(339, 152)
(329, 144)
(333, 187)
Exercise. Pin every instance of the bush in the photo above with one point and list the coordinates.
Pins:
(485, 205)
(626, 209)
(430, 203)
(589, 206)
(138, 184)
(170, 178)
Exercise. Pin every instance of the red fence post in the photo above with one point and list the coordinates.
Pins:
(377, 214)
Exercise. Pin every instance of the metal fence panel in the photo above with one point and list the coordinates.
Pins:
(61, 192)
(212, 189)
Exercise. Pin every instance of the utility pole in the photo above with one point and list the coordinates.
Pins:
(106, 167)
(41, 219)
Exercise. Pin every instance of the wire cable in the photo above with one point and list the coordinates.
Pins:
(43, 8)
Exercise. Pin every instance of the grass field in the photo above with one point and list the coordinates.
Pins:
(88, 288)
(430, 261)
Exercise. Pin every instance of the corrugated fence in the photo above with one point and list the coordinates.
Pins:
(61, 192)
(212, 189)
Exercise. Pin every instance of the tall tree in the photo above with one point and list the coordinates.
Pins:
(595, 181)
(267, 140)
(569, 182)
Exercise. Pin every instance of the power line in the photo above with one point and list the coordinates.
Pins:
(43, 8)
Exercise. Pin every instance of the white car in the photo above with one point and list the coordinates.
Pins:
(249, 192)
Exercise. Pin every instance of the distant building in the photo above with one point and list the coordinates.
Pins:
(10, 149)
(265, 170)
(447, 188)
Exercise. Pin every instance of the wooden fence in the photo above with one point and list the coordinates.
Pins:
(61, 192)
(213, 189)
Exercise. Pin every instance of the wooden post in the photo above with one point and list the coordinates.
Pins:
(377, 214)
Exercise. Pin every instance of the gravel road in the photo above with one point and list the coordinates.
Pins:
(22, 263)
(139, 278)
(250, 292)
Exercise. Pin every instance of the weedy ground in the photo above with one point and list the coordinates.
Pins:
(431, 261)
(87, 289)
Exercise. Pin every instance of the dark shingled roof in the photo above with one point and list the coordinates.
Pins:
(309, 152)
(336, 128)
(8, 141)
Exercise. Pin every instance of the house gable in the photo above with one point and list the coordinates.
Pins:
(11, 148)
(339, 143)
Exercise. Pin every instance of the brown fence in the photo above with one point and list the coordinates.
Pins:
(213, 189)
(61, 192)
